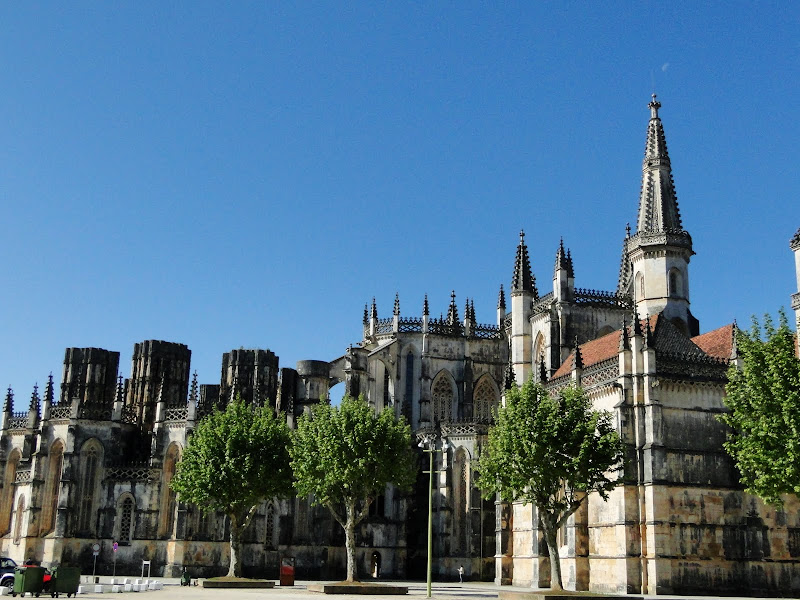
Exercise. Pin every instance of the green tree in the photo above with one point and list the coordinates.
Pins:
(345, 456)
(551, 452)
(234, 461)
(763, 395)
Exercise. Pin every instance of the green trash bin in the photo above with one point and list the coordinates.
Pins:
(28, 579)
(65, 580)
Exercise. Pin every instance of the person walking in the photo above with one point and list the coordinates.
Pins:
(460, 573)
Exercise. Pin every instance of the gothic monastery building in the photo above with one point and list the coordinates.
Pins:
(91, 461)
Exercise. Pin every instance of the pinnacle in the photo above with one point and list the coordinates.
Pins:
(523, 280)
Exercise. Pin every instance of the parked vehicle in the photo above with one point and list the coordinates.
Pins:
(7, 566)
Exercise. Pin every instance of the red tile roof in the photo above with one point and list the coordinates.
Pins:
(598, 350)
(717, 343)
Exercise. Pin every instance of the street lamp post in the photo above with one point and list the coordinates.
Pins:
(428, 444)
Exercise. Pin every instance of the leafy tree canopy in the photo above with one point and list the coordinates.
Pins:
(551, 452)
(345, 456)
(763, 395)
(234, 460)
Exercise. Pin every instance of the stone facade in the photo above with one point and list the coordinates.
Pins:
(679, 522)
(93, 463)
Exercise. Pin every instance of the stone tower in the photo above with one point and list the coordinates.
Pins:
(523, 293)
(159, 373)
(253, 374)
(90, 376)
(655, 269)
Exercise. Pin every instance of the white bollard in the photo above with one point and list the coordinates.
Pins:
(81, 590)
(128, 587)
(98, 589)
(4, 590)
(116, 588)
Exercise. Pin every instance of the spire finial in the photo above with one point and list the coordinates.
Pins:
(501, 299)
(637, 324)
(193, 389)
(577, 358)
(120, 390)
(509, 378)
(654, 106)
(49, 392)
(624, 339)
(374, 313)
(397, 304)
(366, 314)
(9, 405)
(425, 310)
(35, 398)
(627, 230)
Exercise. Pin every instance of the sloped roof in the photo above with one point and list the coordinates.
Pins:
(717, 343)
(665, 338)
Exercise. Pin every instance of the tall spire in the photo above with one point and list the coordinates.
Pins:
(374, 311)
(523, 280)
(501, 298)
(396, 312)
(425, 309)
(658, 203)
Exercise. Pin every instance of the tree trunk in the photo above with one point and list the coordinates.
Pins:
(552, 549)
(235, 569)
(350, 539)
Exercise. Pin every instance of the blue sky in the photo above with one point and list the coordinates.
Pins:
(250, 174)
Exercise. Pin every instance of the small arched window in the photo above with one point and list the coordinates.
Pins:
(484, 399)
(442, 398)
(270, 525)
(675, 284)
(125, 512)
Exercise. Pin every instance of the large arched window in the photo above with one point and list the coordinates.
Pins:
(409, 378)
(461, 484)
(89, 478)
(126, 507)
(484, 399)
(52, 487)
(168, 496)
(19, 519)
(9, 487)
(442, 392)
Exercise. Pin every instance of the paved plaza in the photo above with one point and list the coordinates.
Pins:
(444, 591)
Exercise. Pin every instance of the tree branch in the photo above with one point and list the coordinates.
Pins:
(364, 511)
(336, 514)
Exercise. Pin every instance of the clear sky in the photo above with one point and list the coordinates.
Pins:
(251, 174)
